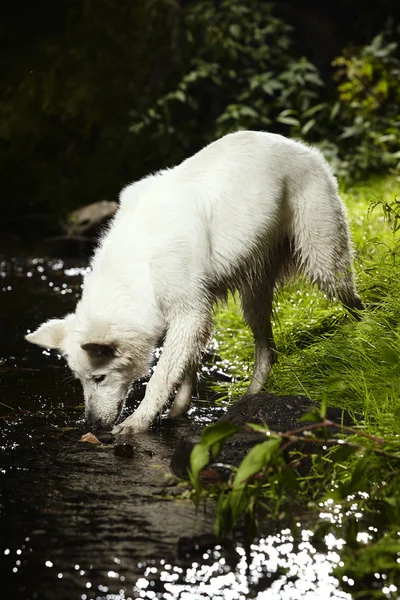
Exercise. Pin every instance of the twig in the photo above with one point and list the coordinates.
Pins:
(292, 439)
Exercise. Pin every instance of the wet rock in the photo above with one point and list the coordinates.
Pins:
(215, 474)
(106, 438)
(90, 439)
(181, 456)
(123, 450)
(81, 228)
(280, 413)
(87, 219)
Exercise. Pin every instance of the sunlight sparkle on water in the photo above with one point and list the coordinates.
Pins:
(307, 573)
(77, 271)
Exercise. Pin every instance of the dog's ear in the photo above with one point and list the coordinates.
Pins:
(97, 350)
(50, 334)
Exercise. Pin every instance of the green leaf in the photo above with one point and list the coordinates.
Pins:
(312, 415)
(258, 457)
(289, 479)
(357, 480)
(237, 503)
(288, 121)
(334, 111)
(223, 520)
(179, 95)
(308, 126)
(343, 453)
(199, 458)
(215, 435)
(314, 110)
(270, 87)
(235, 30)
(323, 407)
(257, 427)
(248, 111)
(392, 501)
(287, 113)
(391, 356)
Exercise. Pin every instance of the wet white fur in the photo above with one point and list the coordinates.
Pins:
(237, 215)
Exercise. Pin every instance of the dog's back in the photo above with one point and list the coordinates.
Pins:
(220, 216)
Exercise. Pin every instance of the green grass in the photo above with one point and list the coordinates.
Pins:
(322, 351)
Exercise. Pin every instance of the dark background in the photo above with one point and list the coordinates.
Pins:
(77, 75)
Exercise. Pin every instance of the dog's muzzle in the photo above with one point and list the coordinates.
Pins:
(95, 422)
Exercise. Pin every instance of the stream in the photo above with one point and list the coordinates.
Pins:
(80, 522)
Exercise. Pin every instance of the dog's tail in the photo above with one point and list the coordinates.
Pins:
(320, 236)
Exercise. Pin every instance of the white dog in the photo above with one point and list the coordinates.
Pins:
(238, 215)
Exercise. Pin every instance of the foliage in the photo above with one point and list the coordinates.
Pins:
(355, 481)
(243, 73)
(210, 445)
(368, 105)
(391, 213)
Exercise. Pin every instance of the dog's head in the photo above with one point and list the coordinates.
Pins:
(105, 363)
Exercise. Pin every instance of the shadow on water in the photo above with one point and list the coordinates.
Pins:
(77, 521)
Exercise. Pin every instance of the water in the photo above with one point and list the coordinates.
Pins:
(79, 522)
(66, 503)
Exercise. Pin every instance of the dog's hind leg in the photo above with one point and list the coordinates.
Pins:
(184, 394)
(257, 309)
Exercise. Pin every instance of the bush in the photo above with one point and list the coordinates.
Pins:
(368, 115)
(245, 72)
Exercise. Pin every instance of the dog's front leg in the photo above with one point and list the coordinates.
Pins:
(186, 338)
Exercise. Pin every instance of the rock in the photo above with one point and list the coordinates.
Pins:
(180, 459)
(81, 228)
(90, 439)
(89, 218)
(214, 474)
(280, 413)
(123, 450)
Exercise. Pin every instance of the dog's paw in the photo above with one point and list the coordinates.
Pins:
(130, 426)
(118, 429)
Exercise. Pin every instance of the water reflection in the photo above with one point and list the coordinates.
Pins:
(275, 568)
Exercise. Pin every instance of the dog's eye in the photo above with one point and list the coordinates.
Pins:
(98, 378)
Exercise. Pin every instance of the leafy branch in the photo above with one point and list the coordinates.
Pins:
(270, 470)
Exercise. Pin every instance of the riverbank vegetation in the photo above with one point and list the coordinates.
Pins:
(351, 496)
